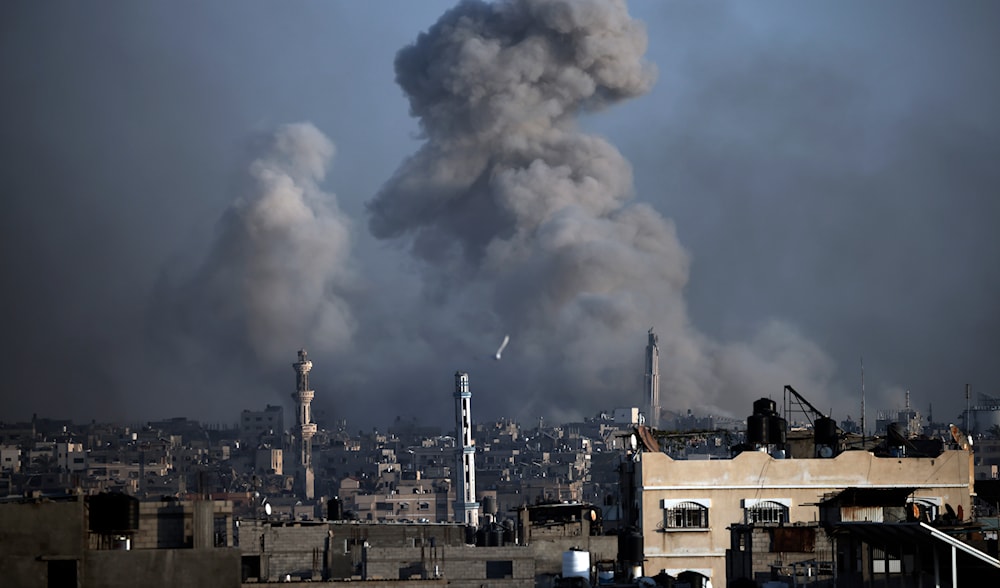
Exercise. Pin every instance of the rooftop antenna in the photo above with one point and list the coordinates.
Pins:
(965, 421)
(863, 401)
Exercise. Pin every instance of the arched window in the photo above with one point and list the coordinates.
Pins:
(685, 514)
(766, 511)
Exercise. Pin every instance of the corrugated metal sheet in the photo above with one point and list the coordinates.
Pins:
(861, 514)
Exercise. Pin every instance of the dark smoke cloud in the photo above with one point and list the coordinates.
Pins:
(517, 211)
(811, 184)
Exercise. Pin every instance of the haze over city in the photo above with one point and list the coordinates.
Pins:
(194, 191)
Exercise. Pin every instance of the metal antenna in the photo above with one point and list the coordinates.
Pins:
(862, 401)
(968, 428)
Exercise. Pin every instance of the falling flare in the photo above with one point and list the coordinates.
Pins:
(506, 340)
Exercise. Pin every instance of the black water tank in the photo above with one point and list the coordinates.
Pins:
(335, 509)
(778, 430)
(490, 504)
(113, 512)
(494, 537)
(825, 432)
(897, 435)
(758, 431)
(630, 546)
(765, 406)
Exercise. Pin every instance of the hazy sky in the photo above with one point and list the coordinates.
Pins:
(194, 190)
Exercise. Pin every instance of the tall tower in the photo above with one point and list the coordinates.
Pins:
(466, 507)
(303, 397)
(652, 381)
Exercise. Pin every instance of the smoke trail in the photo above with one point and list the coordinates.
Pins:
(517, 212)
(277, 274)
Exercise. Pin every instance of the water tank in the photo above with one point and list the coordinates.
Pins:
(825, 432)
(576, 564)
(778, 430)
(494, 537)
(490, 504)
(606, 577)
(335, 509)
(630, 546)
(113, 512)
(765, 406)
(758, 432)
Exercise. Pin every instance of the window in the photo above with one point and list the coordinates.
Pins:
(685, 514)
(766, 511)
(497, 570)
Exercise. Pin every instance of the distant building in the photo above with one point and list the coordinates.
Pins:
(269, 460)
(257, 423)
(626, 416)
(10, 459)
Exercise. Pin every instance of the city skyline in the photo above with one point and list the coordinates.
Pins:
(195, 192)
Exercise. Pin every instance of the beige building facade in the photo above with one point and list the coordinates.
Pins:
(687, 506)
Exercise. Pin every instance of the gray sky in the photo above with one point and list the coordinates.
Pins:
(193, 190)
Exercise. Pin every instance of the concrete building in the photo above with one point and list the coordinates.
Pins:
(10, 459)
(49, 542)
(268, 461)
(652, 381)
(305, 429)
(255, 424)
(71, 457)
(685, 508)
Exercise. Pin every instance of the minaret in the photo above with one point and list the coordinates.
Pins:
(652, 382)
(306, 428)
(466, 507)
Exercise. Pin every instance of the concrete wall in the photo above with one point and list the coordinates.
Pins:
(153, 568)
(32, 534)
(170, 524)
(548, 553)
(296, 549)
(464, 567)
(755, 554)
(756, 475)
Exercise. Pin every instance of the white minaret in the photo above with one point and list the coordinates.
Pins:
(652, 382)
(466, 507)
(306, 428)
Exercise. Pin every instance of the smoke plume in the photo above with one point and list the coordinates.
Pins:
(517, 212)
(276, 277)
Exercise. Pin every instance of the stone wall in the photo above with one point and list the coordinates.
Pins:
(152, 568)
(463, 567)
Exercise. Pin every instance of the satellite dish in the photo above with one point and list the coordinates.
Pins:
(633, 442)
(267, 509)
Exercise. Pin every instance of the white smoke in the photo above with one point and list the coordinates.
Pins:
(507, 201)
